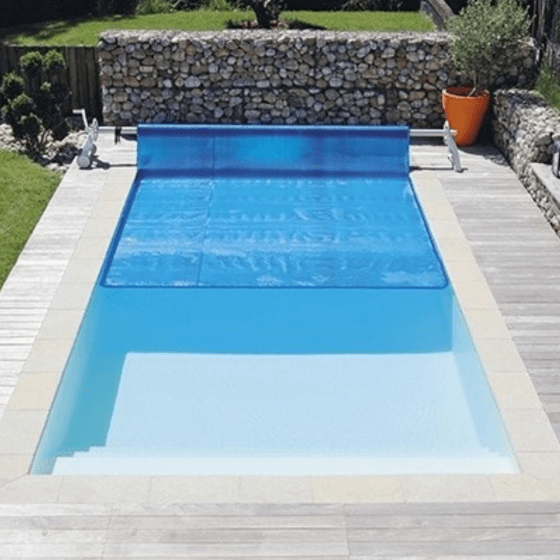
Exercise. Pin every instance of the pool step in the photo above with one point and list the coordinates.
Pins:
(161, 462)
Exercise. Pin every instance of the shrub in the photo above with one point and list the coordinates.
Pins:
(147, 7)
(33, 106)
(484, 37)
(54, 62)
(12, 86)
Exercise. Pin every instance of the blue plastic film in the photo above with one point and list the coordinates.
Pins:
(254, 150)
(274, 232)
(273, 206)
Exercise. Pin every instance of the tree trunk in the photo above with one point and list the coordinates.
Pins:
(264, 17)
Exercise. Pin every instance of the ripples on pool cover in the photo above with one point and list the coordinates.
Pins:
(276, 232)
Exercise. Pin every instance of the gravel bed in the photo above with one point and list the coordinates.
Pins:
(59, 154)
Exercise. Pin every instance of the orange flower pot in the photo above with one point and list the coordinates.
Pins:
(465, 113)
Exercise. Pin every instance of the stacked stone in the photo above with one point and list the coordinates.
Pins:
(546, 201)
(288, 77)
(523, 125)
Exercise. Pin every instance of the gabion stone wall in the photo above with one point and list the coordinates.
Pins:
(523, 125)
(288, 77)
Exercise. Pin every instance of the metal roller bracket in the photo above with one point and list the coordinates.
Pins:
(448, 137)
(85, 157)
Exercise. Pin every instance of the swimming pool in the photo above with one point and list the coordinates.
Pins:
(280, 309)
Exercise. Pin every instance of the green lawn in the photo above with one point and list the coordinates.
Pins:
(365, 21)
(549, 87)
(86, 32)
(25, 189)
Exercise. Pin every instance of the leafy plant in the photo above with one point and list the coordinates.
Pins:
(148, 7)
(484, 36)
(12, 86)
(33, 106)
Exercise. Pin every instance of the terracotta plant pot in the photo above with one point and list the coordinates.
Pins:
(465, 113)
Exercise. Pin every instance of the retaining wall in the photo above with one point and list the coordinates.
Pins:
(288, 77)
(523, 125)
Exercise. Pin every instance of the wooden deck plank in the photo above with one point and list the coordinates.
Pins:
(245, 522)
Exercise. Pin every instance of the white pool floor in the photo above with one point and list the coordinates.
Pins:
(238, 414)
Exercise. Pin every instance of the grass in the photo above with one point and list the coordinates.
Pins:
(365, 21)
(549, 87)
(86, 32)
(25, 189)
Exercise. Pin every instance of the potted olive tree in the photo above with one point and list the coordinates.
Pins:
(484, 37)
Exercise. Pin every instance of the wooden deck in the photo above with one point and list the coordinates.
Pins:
(282, 532)
(520, 256)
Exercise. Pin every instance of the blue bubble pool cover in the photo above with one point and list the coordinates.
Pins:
(266, 206)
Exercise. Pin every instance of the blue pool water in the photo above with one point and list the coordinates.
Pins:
(272, 303)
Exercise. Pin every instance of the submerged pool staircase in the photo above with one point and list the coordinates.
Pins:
(289, 415)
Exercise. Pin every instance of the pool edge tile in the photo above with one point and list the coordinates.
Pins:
(48, 355)
(514, 390)
(194, 489)
(524, 488)
(20, 430)
(85, 489)
(278, 489)
(541, 465)
(60, 324)
(357, 489)
(72, 295)
(14, 466)
(447, 488)
(34, 391)
(530, 431)
(34, 490)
